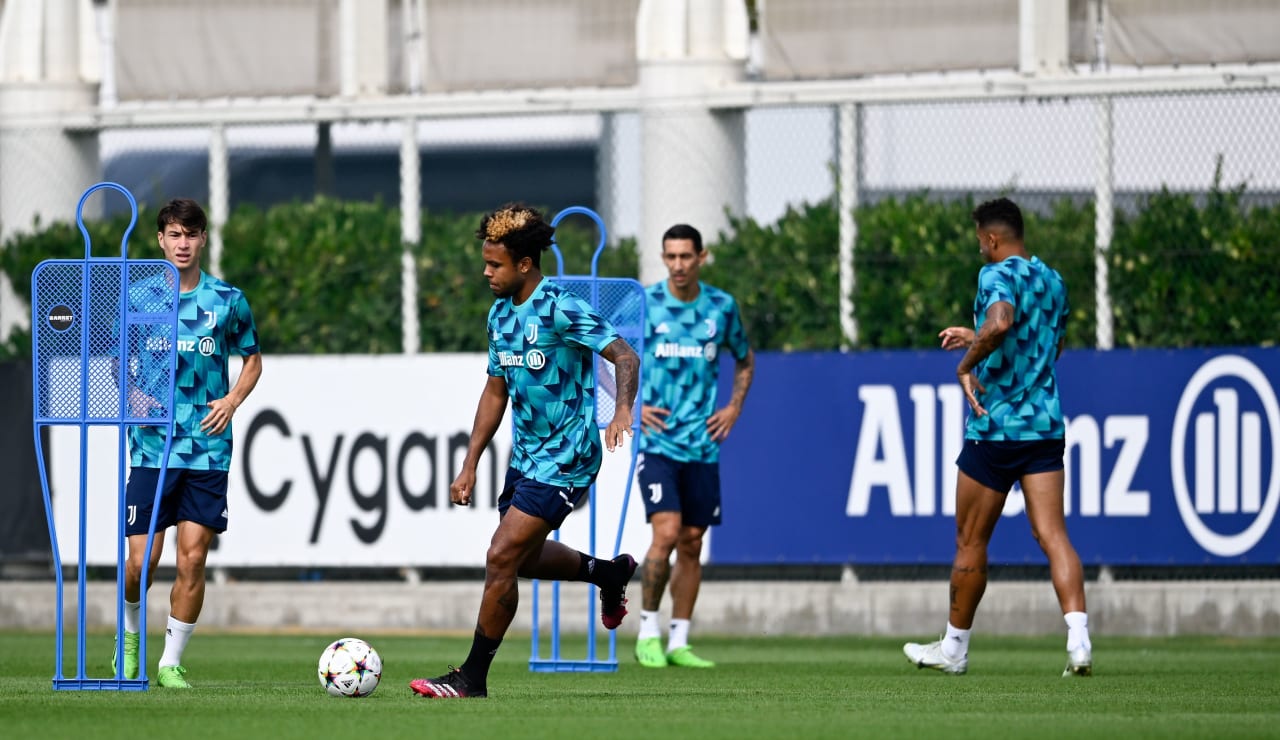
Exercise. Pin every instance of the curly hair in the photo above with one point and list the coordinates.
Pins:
(999, 211)
(519, 228)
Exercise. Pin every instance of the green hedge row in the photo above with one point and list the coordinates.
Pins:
(1184, 271)
(324, 277)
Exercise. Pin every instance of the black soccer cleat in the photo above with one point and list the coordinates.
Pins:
(613, 601)
(452, 685)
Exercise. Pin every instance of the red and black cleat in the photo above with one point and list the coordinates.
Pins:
(452, 685)
(613, 601)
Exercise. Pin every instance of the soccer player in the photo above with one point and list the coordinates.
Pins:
(541, 342)
(214, 321)
(1015, 433)
(687, 321)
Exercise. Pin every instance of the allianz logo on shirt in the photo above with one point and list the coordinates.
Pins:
(673, 349)
(205, 345)
(533, 359)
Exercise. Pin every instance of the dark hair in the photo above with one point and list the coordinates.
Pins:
(520, 229)
(182, 211)
(999, 211)
(685, 231)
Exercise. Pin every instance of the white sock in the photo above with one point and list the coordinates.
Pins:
(131, 611)
(175, 641)
(956, 644)
(649, 625)
(679, 636)
(1077, 630)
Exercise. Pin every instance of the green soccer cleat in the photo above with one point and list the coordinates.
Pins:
(649, 653)
(684, 658)
(172, 677)
(130, 656)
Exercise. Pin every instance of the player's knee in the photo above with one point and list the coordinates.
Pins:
(970, 543)
(664, 543)
(502, 559)
(690, 546)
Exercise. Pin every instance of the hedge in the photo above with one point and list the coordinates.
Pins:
(324, 277)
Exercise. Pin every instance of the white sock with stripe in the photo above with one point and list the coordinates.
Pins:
(679, 634)
(649, 625)
(956, 644)
(131, 619)
(175, 641)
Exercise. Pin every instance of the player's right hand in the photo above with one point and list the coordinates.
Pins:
(956, 337)
(653, 418)
(462, 486)
(141, 405)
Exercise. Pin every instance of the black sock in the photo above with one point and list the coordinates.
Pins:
(476, 667)
(595, 570)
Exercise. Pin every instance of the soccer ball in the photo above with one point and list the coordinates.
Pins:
(350, 667)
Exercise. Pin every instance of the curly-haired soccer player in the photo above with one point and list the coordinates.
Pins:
(541, 344)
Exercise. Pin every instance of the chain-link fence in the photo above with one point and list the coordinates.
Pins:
(1133, 195)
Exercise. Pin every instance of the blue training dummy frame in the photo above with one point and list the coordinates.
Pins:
(96, 325)
(622, 302)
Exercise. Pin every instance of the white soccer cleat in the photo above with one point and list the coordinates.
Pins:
(931, 656)
(1079, 662)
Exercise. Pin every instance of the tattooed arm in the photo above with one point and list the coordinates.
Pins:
(627, 368)
(987, 340)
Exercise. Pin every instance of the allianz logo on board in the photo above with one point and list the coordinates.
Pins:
(1227, 444)
(1229, 472)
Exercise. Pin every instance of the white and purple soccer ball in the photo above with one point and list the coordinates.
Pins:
(350, 667)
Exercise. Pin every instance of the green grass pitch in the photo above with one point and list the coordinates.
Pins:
(265, 686)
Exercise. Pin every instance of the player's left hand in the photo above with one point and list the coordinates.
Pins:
(618, 427)
(219, 416)
(719, 423)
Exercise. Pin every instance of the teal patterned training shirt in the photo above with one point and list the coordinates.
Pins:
(214, 322)
(681, 367)
(1021, 395)
(543, 348)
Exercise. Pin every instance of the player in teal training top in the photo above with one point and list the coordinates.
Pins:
(542, 342)
(214, 322)
(1015, 433)
(688, 322)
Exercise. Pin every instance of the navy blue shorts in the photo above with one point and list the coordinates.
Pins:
(998, 464)
(547, 502)
(691, 488)
(198, 496)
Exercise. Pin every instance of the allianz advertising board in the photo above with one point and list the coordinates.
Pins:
(1171, 459)
(837, 458)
